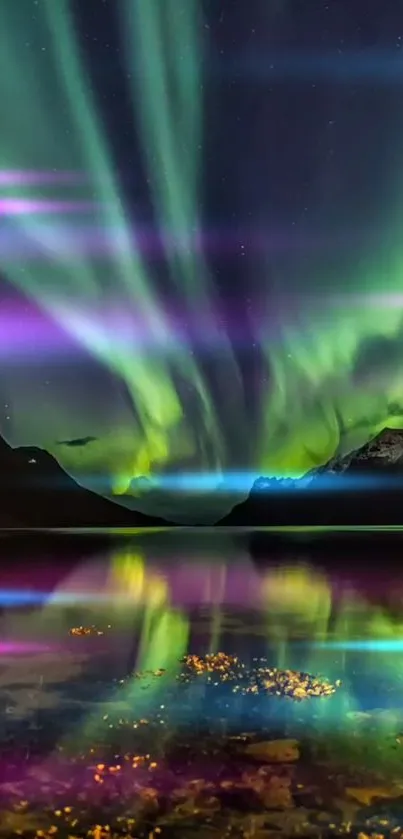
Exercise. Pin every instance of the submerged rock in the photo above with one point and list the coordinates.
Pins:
(274, 751)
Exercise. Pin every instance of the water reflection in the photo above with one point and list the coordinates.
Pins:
(150, 600)
(164, 596)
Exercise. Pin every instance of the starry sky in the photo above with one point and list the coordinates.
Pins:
(200, 239)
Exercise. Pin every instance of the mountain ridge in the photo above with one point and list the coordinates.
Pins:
(35, 491)
(370, 496)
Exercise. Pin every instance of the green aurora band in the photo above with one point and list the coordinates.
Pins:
(314, 405)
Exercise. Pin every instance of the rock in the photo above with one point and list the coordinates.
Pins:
(277, 795)
(20, 823)
(359, 716)
(274, 751)
(367, 795)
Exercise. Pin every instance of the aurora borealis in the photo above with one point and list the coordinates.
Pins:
(200, 248)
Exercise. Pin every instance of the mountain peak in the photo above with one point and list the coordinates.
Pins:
(36, 492)
(384, 451)
(369, 493)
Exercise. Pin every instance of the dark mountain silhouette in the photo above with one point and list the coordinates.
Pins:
(364, 487)
(36, 492)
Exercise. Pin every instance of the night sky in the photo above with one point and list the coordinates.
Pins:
(200, 239)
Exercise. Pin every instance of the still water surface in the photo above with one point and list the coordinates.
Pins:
(148, 600)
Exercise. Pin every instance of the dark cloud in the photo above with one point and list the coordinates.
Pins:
(79, 441)
(378, 356)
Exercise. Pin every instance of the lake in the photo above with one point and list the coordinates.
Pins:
(200, 683)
